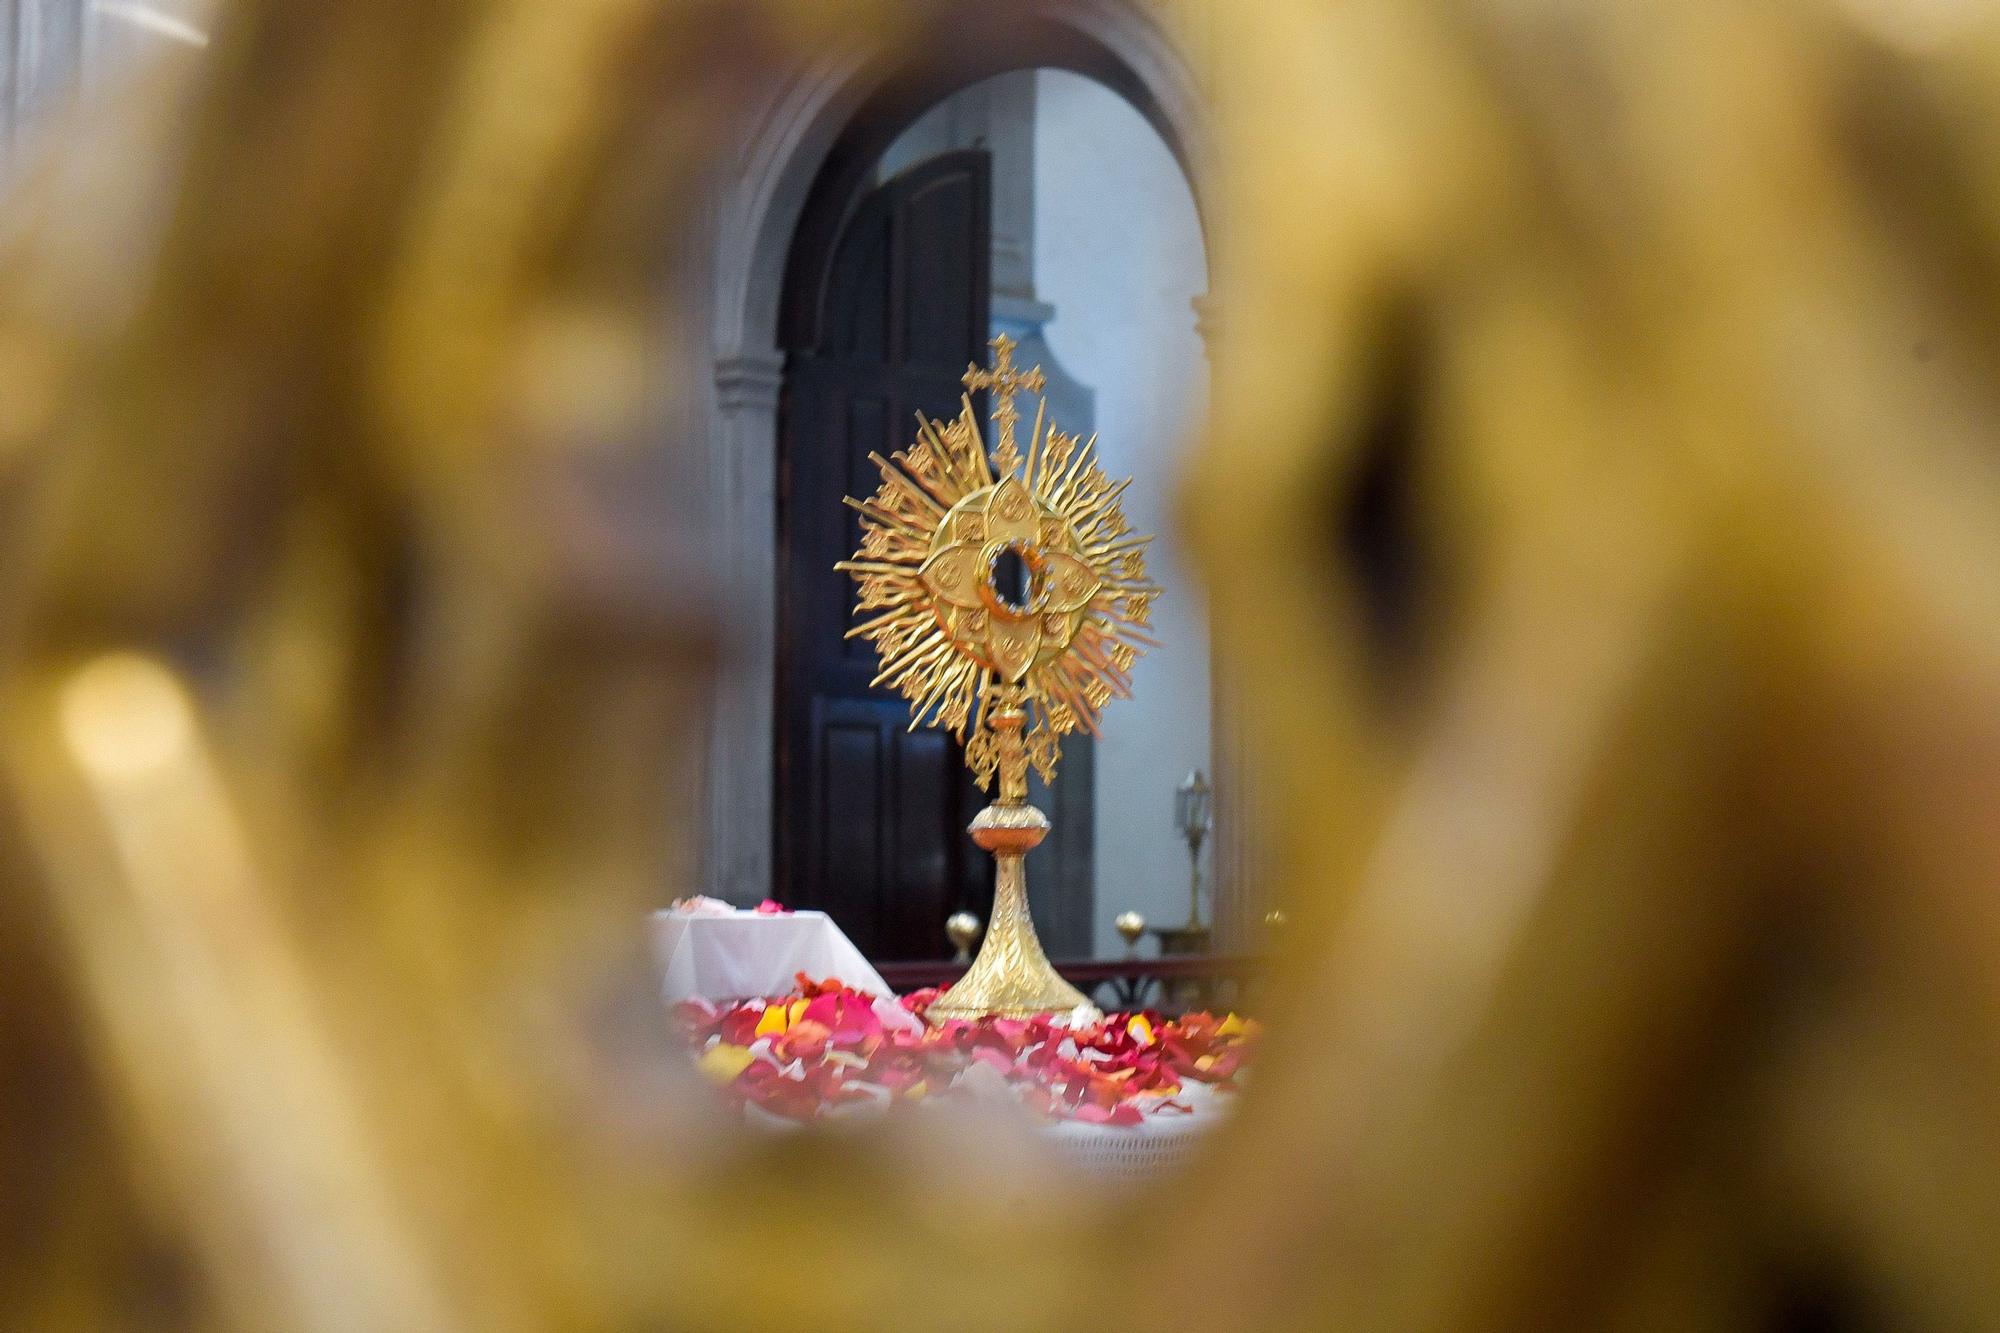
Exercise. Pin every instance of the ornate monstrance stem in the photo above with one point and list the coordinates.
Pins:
(1012, 975)
(1012, 664)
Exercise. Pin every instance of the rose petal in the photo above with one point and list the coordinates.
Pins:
(847, 1016)
(720, 1064)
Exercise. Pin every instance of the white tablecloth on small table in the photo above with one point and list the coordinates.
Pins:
(724, 957)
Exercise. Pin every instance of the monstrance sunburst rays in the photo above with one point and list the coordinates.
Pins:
(1008, 600)
(935, 536)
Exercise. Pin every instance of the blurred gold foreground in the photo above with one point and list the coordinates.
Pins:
(1644, 968)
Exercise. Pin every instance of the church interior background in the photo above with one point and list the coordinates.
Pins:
(627, 626)
(1107, 307)
(1110, 305)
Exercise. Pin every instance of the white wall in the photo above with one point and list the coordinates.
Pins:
(54, 54)
(1118, 253)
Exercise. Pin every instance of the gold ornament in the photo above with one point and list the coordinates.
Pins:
(1007, 669)
(962, 929)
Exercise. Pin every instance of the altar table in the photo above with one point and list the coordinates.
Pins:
(726, 956)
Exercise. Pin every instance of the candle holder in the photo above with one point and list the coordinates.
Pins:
(1194, 804)
(1193, 814)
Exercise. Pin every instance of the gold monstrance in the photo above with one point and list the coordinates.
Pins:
(1011, 600)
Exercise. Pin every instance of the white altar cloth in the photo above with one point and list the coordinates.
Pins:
(728, 956)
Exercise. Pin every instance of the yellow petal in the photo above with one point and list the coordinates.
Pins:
(1231, 1026)
(798, 1007)
(1141, 1030)
(773, 1022)
(722, 1063)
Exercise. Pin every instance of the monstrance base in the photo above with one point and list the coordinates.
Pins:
(1011, 977)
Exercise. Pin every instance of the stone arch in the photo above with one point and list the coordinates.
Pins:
(788, 151)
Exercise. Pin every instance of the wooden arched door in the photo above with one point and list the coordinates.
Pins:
(871, 816)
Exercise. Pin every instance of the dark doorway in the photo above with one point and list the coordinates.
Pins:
(871, 816)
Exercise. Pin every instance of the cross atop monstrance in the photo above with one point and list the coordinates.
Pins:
(1005, 382)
